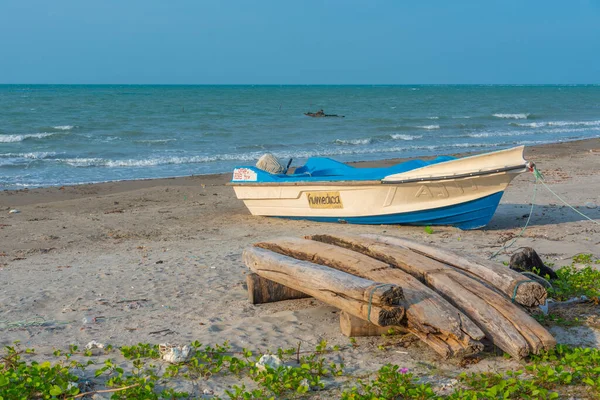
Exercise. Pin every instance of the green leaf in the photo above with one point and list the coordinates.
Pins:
(55, 391)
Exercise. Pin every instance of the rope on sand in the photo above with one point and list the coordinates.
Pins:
(506, 246)
(37, 321)
(539, 178)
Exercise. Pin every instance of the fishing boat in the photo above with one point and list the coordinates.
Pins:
(462, 192)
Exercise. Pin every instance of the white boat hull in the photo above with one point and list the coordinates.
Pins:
(465, 197)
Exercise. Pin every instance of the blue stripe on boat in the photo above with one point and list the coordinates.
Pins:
(468, 215)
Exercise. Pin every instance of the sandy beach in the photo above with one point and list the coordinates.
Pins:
(160, 261)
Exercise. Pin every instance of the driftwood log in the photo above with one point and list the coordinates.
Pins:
(527, 260)
(504, 323)
(527, 293)
(435, 321)
(352, 326)
(378, 303)
(261, 290)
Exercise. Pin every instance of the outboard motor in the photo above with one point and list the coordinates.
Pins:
(269, 163)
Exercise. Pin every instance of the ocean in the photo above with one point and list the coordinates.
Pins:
(71, 134)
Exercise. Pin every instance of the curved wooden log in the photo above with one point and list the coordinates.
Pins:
(352, 326)
(529, 294)
(504, 323)
(428, 315)
(261, 290)
(378, 303)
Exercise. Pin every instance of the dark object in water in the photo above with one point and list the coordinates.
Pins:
(526, 260)
(321, 114)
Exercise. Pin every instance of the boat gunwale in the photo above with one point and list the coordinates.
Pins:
(459, 176)
(383, 181)
(308, 183)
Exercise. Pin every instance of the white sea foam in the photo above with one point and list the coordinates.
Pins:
(496, 134)
(511, 116)
(151, 162)
(574, 123)
(559, 123)
(64, 127)
(530, 125)
(548, 130)
(570, 130)
(353, 141)
(399, 136)
(252, 157)
(433, 117)
(20, 138)
(38, 155)
(429, 127)
(154, 141)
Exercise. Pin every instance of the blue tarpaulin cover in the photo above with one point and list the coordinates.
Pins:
(326, 169)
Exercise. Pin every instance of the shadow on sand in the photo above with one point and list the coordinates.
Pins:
(509, 216)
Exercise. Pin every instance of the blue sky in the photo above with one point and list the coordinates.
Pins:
(299, 42)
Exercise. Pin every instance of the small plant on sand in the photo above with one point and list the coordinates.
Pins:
(391, 382)
(22, 380)
(428, 230)
(554, 319)
(561, 372)
(573, 282)
(585, 258)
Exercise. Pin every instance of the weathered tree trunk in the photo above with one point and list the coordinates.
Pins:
(428, 315)
(261, 290)
(378, 303)
(504, 323)
(526, 260)
(529, 294)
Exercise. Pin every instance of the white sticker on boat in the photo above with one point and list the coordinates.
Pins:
(324, 200)
(244, 174)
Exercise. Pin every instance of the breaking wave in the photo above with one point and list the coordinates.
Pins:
(394, 136)
(557, 123)
(252, 157)
(154, 141)
(523, 132)
(20, 138)
(512, 116)
(495, 134)
(353, 141)
(40, 155)
(64, 127)
(150, 162)
(429, 127)
(399, 136)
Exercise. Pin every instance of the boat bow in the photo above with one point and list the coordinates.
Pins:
(509, 160)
